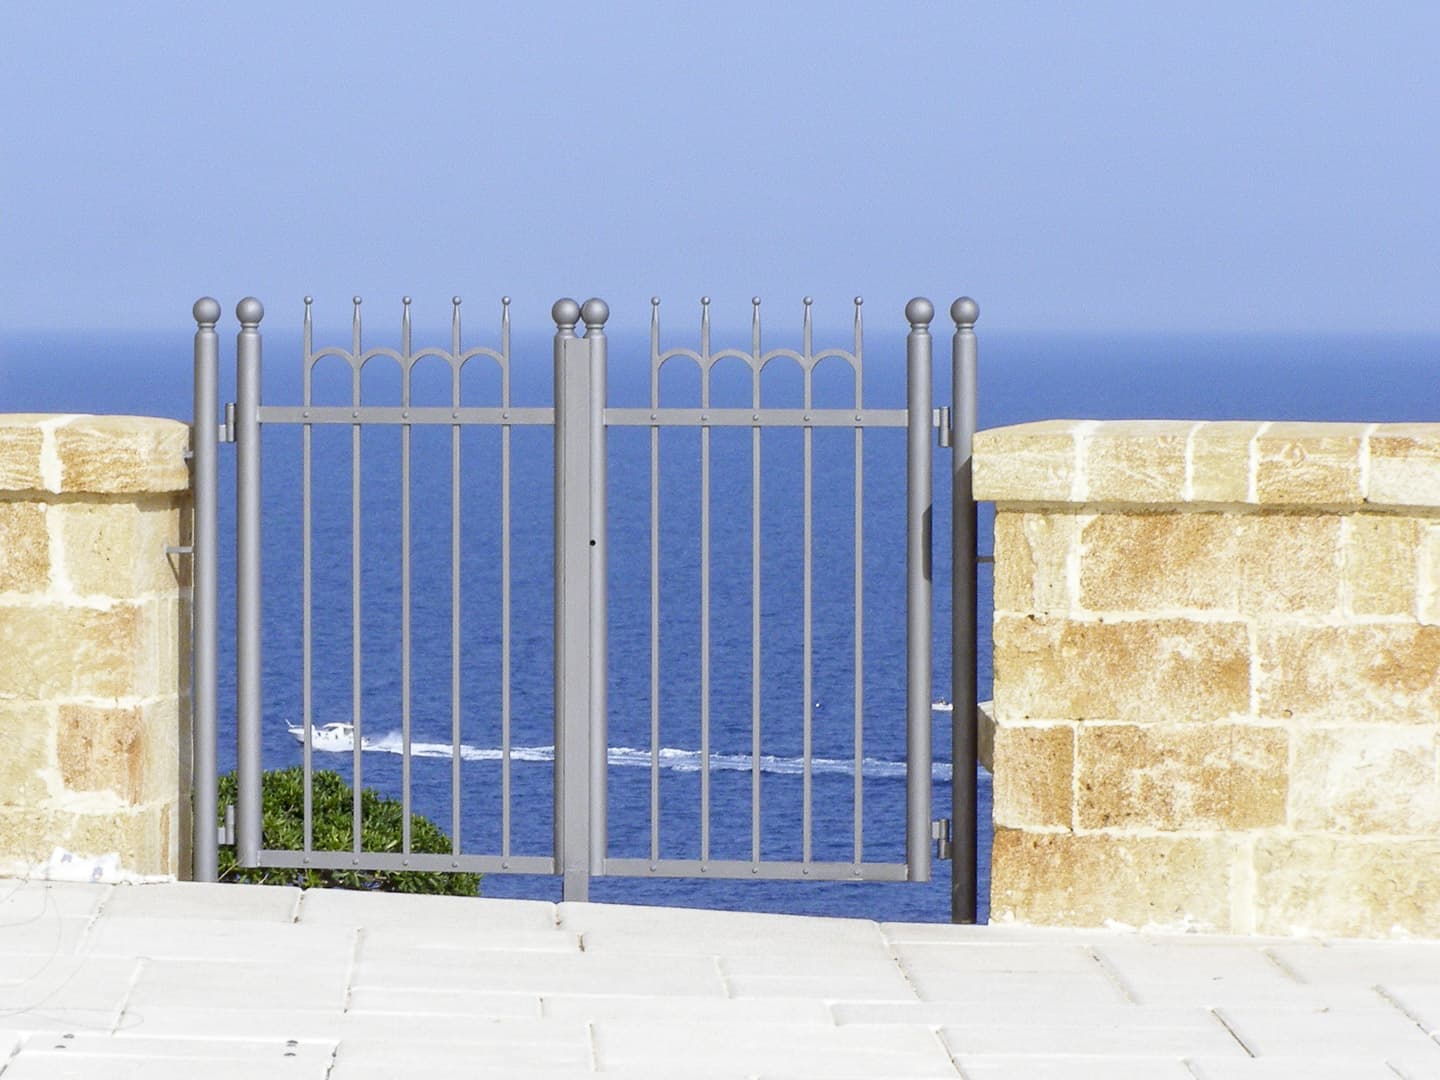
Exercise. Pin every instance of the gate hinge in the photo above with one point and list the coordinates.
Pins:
(942, 421)
(227, 429)
(225, 834)
(940, 832)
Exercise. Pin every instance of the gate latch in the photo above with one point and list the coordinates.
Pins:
(940, 831)
(226, 832)
(942, 421)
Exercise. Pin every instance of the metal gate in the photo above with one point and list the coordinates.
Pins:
(580, 420)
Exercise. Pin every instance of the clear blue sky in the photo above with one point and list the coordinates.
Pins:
(1232, 165)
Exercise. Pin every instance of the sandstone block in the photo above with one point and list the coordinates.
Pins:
(1428, 579)
(1177, 777)
(1250, 562)
(145, 838)
(56, 651)
(1404, 465)
(1032, 463)
(1033, 775)
(1136, 461)
(1381, 563)
(1382, 673)
(1064, 879)
(131, 454)
(1144, 670)
(1377, 779)
(118, 548)
(27, 765)
(130, 752)
(1220, 461)
(125, 650)
(21, 442)
(1032, 553)
(24, 547)
(1308, 464)
(1347, 886)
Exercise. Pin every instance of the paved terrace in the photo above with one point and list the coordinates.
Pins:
(222, 981)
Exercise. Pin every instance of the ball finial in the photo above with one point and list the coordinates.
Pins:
(249, 311)
(964, 311)
(594, 311)
(565, 312)
(919, 311)
(206, 310)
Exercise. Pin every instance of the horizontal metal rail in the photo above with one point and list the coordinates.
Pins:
(766, 870)
(397, 414)
(398, 861)
(839, 418)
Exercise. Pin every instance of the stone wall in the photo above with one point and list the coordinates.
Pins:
(94, 641)
(1217, 675)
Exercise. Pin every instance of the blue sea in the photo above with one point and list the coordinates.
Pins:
(1022, 377)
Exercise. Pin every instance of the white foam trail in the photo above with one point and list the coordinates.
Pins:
(671, 758)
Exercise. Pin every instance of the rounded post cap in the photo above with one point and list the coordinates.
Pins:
(250, 311)
(206, 311)
(565, 312)
(964, 311)
(919, 311)
(594, 311)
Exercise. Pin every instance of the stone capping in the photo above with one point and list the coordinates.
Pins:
(92, 455)
(1203, 462)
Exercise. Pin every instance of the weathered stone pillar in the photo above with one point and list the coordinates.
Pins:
(1217, 675)
(94, 641)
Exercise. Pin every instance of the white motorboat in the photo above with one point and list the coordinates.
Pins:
(334, 738)
(941, 706)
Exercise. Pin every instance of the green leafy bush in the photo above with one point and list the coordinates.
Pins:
(283, 825)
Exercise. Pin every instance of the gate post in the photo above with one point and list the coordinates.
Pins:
(579, 594)
(918, 588)
(203, 446)
(247, 582)
(964, 312)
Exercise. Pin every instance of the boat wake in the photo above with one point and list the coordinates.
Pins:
(339, 739)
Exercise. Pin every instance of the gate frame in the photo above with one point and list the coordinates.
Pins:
(581, 418)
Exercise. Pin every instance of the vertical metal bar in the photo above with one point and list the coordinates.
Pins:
(504, 584)
(595, 312)
(406, 364)
(356, 666)
(964, 365)
(808, 645)
(247, 581)
(654, 582)
(756, 359)
(203, 447)
(307, 641)
(859, 586)
(919, 501)
(704, 583)
(572, 601)
(455, 579)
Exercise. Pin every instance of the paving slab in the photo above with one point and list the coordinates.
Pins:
(1297, 1068)
(1066, 1067)
(220, 941)
(272, 982)
(200, 900)
(378, 910)
(757, 1047)
(1140, 1033)
(1225, 973)
(1322, 1033)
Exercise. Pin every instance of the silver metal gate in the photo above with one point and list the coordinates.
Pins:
(580, 420)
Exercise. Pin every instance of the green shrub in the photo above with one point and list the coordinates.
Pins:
(283, 825)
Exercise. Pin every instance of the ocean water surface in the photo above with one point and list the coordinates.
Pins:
(1022, 378)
